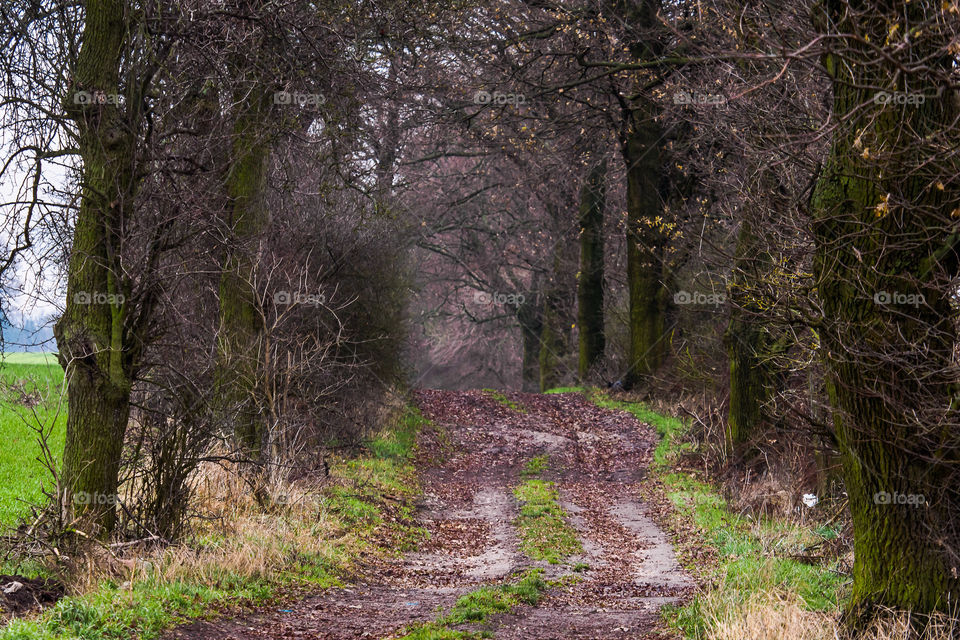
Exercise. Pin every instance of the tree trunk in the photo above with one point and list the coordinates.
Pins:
(551, 345)
(883, 229)
(646, 242)
(531, 325)
(558, 313)
(748, 345)
(592, 340)
(95, 350)
(241, 324)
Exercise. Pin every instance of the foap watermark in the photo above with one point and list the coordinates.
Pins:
(899, 98)
(296, 297)
(484, 298)
(97, 97)
(98, 297)
(687, 97)
(886, 298)
(300, 99)
(82, 497)
(696, 297)
(498, 97)
(912, 499)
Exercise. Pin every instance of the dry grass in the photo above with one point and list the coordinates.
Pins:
(237, 539)
(769, 617)
(307, 536)
(779, 616)
(311, 531)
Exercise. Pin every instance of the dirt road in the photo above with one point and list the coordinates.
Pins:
(624, 573)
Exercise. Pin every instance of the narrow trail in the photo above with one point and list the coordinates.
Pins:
(596, 458)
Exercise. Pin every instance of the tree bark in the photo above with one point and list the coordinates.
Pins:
(531, 326)
(890, 366)
(95, 348)
(646, 243)
(558, 314)
(241, 328)
(592, 339)
(748, 345)
(552, 343)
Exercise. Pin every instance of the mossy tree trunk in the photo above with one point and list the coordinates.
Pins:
(529, 315)
(241, 322)
(883, 227)
(557, 314)
(95, 335)
(552, 342)
(748, 343)
(641, 140)
(592, 340)
(646, 244)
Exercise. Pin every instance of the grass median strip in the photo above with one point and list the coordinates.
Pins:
(477, 606)
(543, 532)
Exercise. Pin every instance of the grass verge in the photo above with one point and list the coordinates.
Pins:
(743, 564)
(313, 541)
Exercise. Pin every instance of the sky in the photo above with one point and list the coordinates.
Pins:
(31, 295)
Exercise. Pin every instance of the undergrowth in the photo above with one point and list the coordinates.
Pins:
(752, 556)
(314, 541)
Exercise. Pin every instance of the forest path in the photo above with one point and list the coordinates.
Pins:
(611, 588)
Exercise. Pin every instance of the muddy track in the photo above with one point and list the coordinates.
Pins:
(597, 458)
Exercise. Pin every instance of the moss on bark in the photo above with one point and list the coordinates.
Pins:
(241, 321)
(592, 340)
(96, 345)
(887, 364)
(646, 244)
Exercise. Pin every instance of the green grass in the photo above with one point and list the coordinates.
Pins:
(142, 612)
(748, 565)
(437, 631)
(504, 400)
(24, 381)
(544, 535)
(536, 465)
(567, 390)
(37, 357)
(371, 499)
(478, 606)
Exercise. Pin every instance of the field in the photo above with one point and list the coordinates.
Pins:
(34, 358)
(30, 385)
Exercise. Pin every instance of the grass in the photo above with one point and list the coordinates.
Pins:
(30, 385)
(34, 357)
(259, 557)
(478, 606)
(504, 400)
(748, 571)
(544, 535)
(536, 465)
